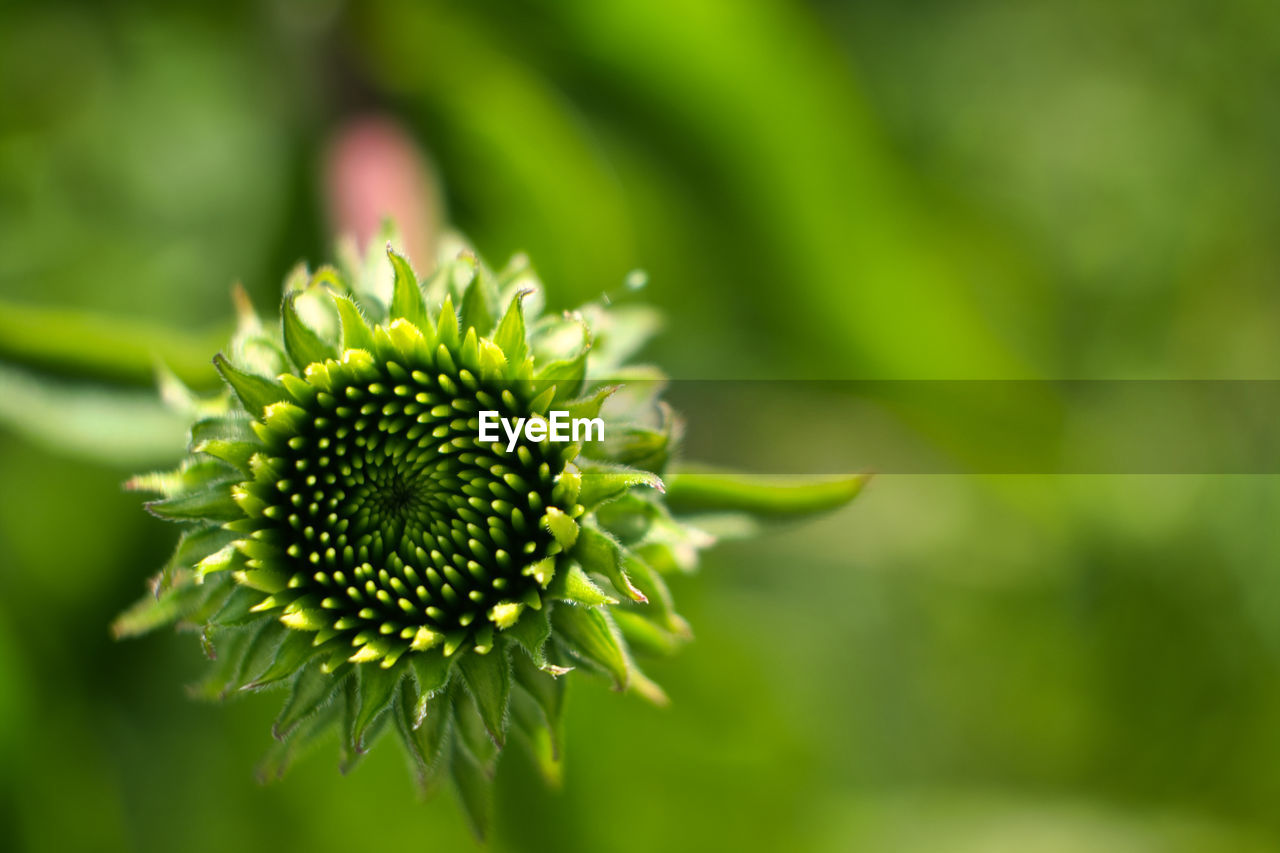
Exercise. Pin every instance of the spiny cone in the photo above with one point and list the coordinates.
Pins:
(346, 533)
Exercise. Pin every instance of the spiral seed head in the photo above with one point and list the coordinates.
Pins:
(395, 526)
(347, 531)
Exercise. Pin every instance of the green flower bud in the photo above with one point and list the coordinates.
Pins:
(349, 530)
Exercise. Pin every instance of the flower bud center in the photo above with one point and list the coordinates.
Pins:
(393, 513)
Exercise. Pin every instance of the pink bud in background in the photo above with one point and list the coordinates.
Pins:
(374, 170)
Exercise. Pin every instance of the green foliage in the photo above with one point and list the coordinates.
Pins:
(814, 188)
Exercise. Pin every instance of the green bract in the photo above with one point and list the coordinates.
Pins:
(346, 532)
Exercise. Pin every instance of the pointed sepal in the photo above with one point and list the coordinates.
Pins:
(407, 301)
(593, 638)
(301, 342)
(488, 679)
(255, 392)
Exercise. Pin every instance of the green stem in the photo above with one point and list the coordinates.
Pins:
(759, 494)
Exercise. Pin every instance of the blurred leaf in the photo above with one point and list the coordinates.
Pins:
(474, 790)
(97, 346)
(116, 427)
(828, 201)
(527, 159)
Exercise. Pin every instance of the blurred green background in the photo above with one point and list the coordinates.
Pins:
(869, 189)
